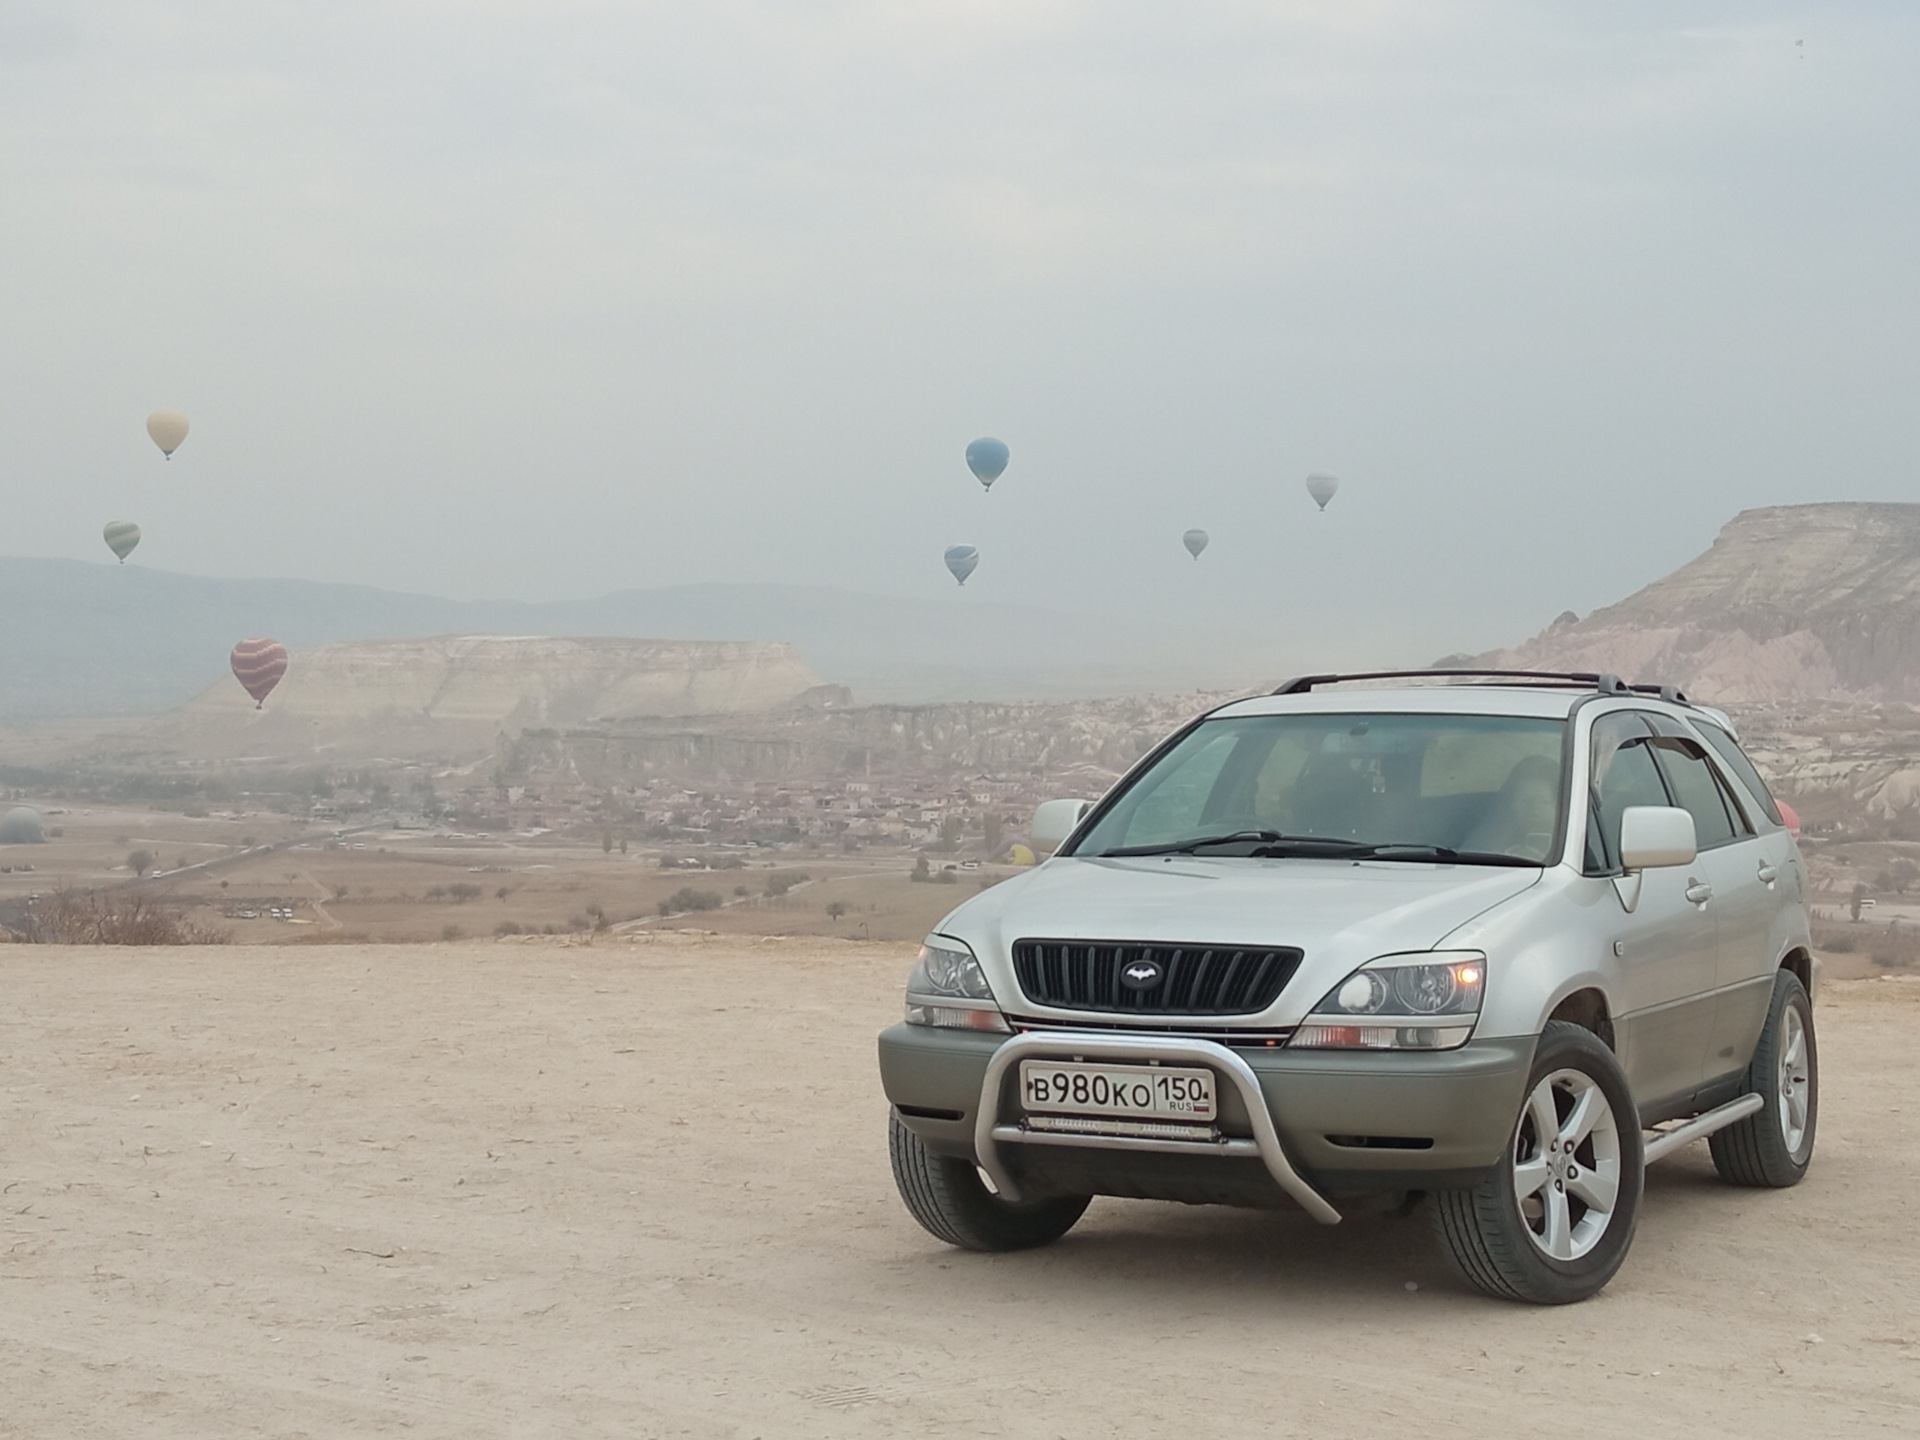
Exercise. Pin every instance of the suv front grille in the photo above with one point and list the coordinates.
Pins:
(1193, 979)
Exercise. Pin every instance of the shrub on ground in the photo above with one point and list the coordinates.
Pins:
(115, 917)
(687, 898)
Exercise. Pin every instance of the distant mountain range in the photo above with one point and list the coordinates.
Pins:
(82, 639)
(1794, 602)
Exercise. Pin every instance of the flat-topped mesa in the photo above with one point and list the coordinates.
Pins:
(527, 680)
(1792, 602)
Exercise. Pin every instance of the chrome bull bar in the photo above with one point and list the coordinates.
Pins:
(989, 1134)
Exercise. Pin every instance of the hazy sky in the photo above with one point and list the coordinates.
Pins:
(544, 299)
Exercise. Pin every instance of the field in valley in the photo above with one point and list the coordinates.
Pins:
(384, 885)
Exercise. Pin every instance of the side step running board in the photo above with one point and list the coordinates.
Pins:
(1665, 1142)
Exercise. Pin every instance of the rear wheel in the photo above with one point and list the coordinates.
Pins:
(1552, 1221)
(953, 1204)
(1773, 1146)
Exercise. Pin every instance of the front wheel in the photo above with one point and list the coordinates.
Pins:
(952, 1203)
(1552, 1221)
(1773, 1146)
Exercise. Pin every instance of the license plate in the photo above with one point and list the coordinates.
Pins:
(1071, 1087)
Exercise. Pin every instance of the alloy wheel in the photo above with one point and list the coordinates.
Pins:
(1566, 1165)
(1795, 1080)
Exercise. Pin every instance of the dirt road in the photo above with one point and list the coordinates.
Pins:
(641, 1189)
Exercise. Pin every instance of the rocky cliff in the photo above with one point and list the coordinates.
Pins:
(457, 691)
(1791, 603)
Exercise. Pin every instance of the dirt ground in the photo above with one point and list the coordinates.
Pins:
(640, 1188)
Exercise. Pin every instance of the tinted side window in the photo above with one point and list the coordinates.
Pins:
(1696, 789)
(1623, 773)
(1737, 761)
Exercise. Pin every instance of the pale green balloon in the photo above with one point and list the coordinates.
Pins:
(121, 536)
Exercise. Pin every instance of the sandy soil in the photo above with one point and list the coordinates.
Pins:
(641, 1189)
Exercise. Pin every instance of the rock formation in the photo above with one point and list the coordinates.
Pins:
(1793, 602)
(457, 692)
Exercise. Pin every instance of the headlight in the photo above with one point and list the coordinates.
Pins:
(948, 989)
(1400, 1002)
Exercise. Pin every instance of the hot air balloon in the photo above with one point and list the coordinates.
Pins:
(21, 826)
(258, 666)
(121, 536)
(168, 428)
(1195, 541)
(987, 458)
(961, 560)
(1321, 488)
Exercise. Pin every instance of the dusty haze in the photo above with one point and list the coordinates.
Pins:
(545, 302)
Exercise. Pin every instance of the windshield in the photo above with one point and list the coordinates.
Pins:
(1484, 788)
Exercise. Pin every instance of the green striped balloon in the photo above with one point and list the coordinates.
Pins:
(121, 536)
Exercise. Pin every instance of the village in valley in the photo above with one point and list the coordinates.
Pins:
(624, 829)
(423, 852)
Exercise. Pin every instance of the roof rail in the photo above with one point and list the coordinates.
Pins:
(1580, 679)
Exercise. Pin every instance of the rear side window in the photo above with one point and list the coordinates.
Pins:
(1623, 773)
(1736, 760)
(1697, 790)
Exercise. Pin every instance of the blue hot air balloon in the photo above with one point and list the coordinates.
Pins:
(961, 560)
(987, 458)
(1195, 541)
(1321, 488)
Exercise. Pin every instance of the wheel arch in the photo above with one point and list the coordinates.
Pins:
(1798, 962)
(1587, 1007)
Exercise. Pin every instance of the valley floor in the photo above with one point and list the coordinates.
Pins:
(640, 1188)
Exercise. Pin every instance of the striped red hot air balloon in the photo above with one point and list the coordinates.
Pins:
(258, 666)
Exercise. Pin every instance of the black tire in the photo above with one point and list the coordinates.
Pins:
(1761, 1150)
(953, 1204)
(1504, 1251)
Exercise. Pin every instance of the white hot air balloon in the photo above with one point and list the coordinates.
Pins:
(1322, 488)
(1195, 541)
(168, 428)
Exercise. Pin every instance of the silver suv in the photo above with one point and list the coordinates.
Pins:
(1495, 939)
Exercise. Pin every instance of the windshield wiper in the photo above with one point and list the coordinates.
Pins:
(1273, 845)
(1421, 853)
(1271, 842)
(1186, 847)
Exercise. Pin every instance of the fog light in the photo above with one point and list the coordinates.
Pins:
(954, 1017)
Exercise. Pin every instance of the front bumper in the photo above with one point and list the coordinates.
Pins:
(1336, 1122)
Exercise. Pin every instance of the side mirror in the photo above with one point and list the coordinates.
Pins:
(1653, 837)
(1056, 819)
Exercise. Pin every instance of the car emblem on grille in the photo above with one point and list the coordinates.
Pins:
(1141, 975)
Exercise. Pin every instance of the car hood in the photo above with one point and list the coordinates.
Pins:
(1340, 913)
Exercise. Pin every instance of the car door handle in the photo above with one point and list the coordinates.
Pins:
(1767, 873)
(1699, 892)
